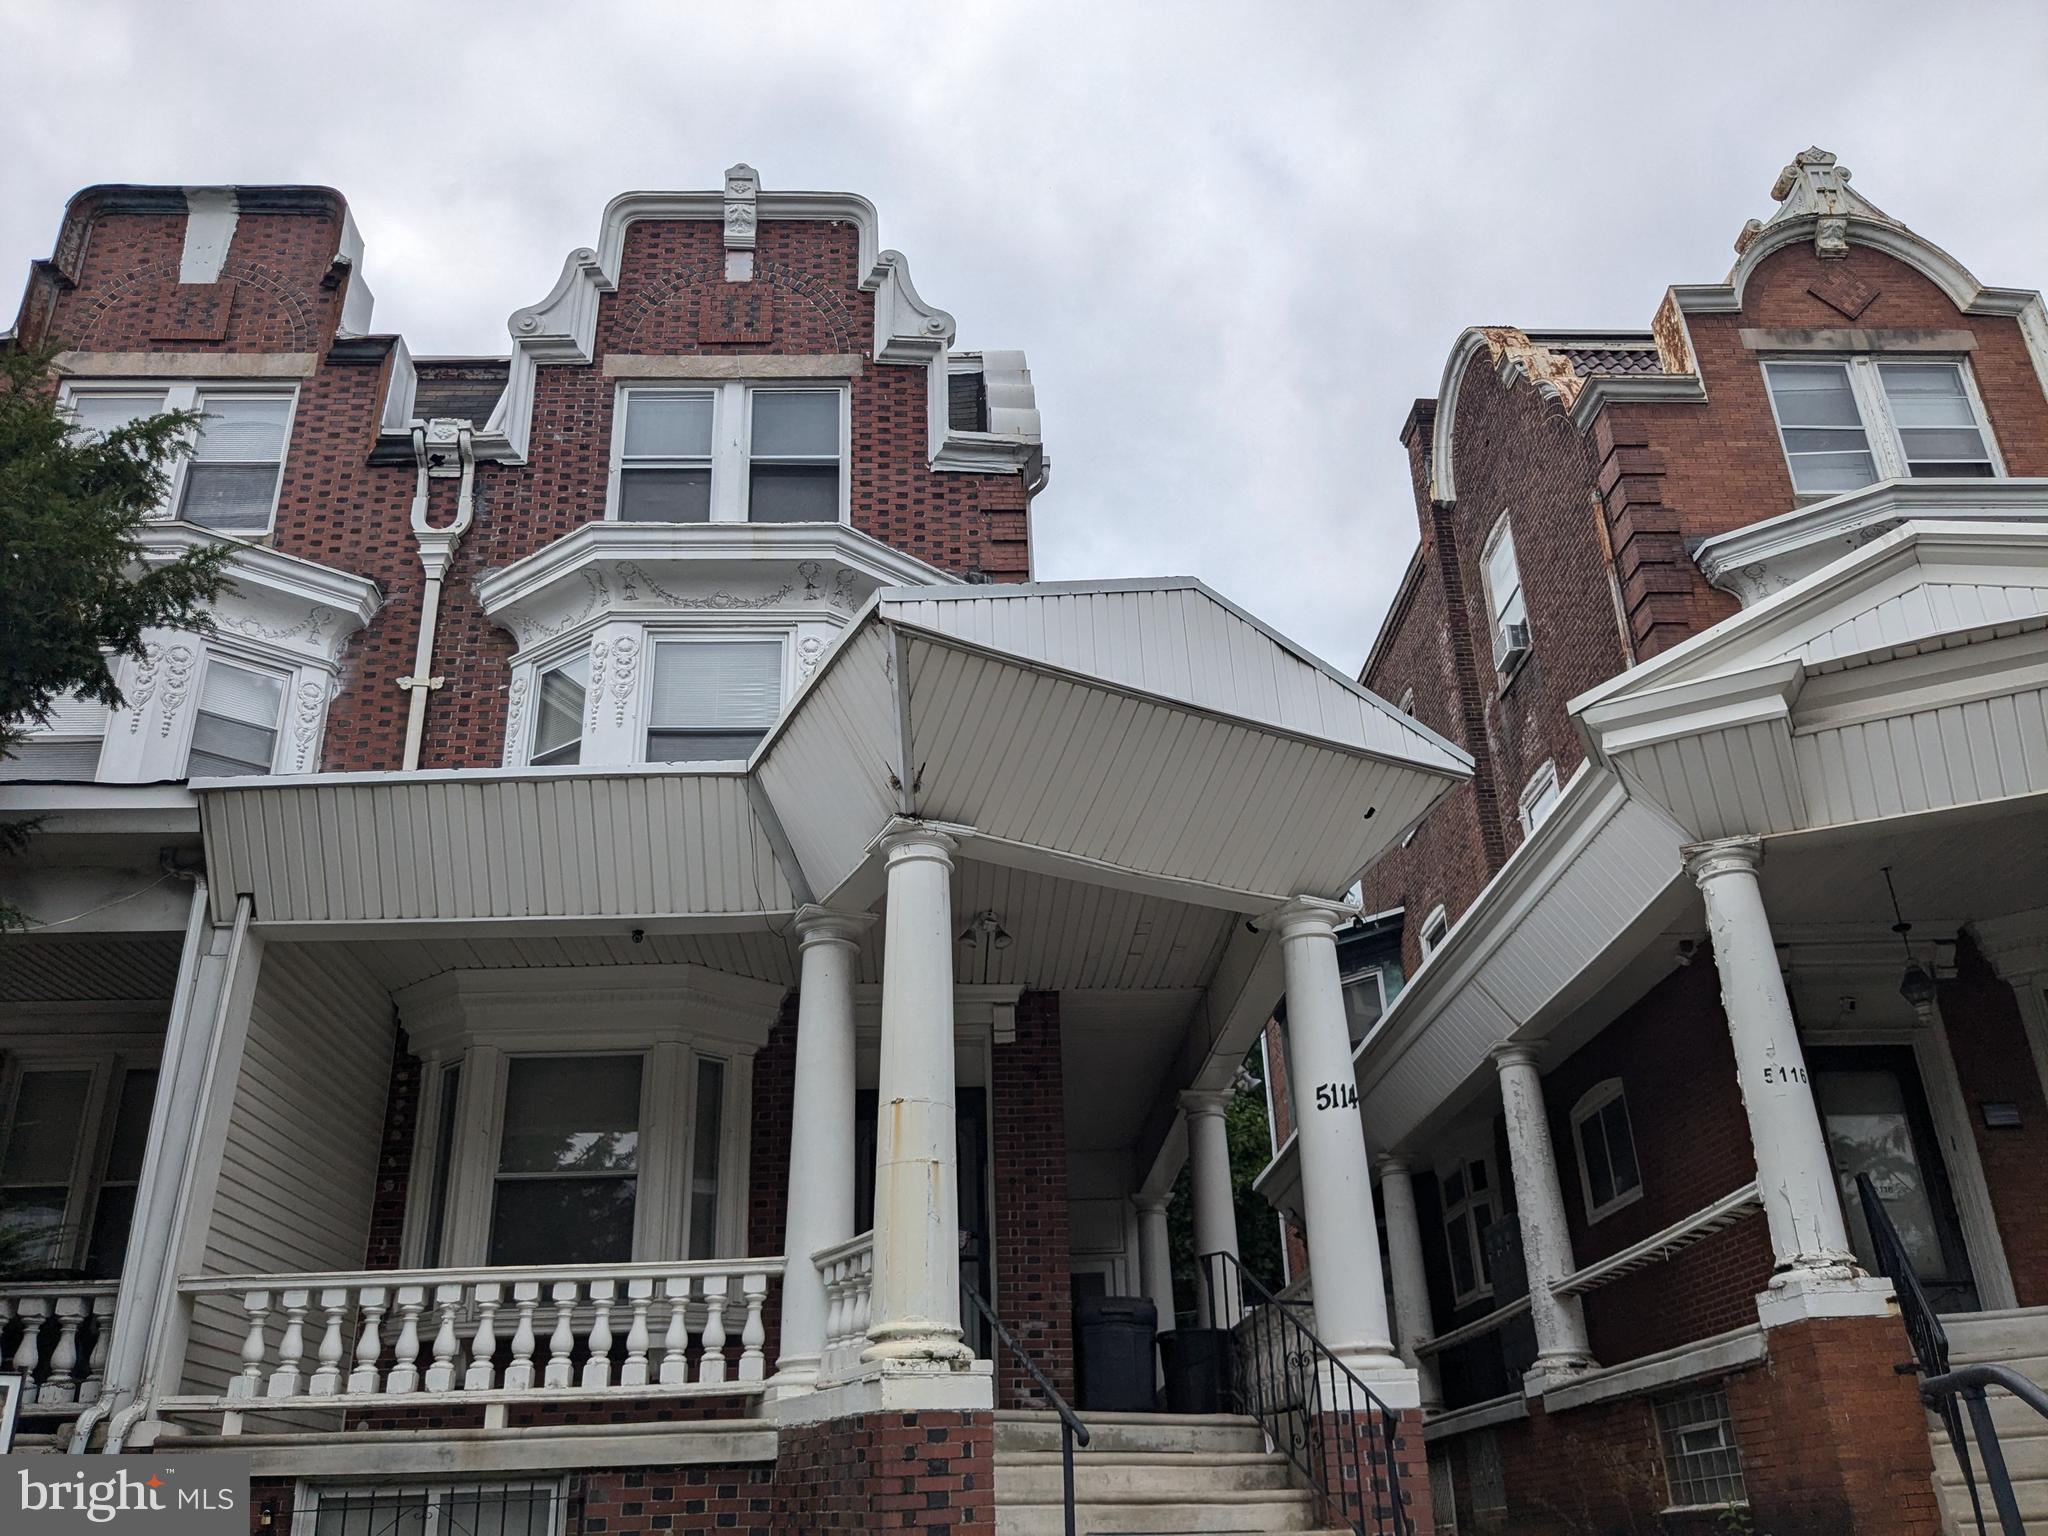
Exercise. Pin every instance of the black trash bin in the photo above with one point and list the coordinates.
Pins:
(1197, 1365)
(1114, 1352)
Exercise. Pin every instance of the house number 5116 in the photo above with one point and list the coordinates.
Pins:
(1336, 1095)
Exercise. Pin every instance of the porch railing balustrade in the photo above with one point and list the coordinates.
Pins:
(56, 1335)
(491, 1337)
(848, 1272)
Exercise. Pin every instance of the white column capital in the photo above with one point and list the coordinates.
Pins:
(1517, 1053)
(1308, 917)
(1723, 856)
(827, 925)
(1151, 1205)
(2016, 947)
(1391, 1165)
(905, 839)
(1200, 1103)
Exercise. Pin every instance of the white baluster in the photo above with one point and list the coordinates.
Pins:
(675, 1342)
(597, 1365)
(441, 1374)
(835, 1305)
(101, 1309)
(560, 1373)
(28, 1354)
(326, 1380)
(287, 1379)
(634, 1372)
(711, 1363)
(370, 1344)
(519, 1374)
(483, 1345)
(405, 1354)
(61, 1386)
(250, 1382)
(753, 1333)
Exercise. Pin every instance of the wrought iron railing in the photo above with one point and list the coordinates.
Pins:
(1949, 1392)
(1322, 1416)
(1072, 1431)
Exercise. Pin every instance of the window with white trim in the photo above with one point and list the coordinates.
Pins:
(1504, 603)
(712, 700)
(236, 726)
(568, 1161)
(71, 1142)
(66, 746)
(1435, 929)
(1848, 422)
(730, 452)
(440, 1509)
(1539, 797)
(558, 714)
(1468, 1211)
(229, 481)
(1609, 1176)
(1365, 999)
(1702, 1464)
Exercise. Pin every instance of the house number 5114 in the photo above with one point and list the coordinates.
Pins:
(1336, 1095)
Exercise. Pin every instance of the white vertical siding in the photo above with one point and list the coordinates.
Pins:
(1954, 754)
(299, 1171)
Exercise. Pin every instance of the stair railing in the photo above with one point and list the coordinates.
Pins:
(1323, 1417)
(1949, 1392)
(1072, 1431)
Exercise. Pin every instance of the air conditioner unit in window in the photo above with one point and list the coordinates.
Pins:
(1513, 645)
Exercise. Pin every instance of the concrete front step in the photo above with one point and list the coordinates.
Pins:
(1031, 1477)
(1265, 1515)
(1148, 1433)
(2018, 1339)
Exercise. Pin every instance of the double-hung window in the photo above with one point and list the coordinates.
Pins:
(1435, 929)
(71, 1143)
(235, 730)
(1539, 797)
(730, 452)
(713, 700)
(558, 715)
(1468, 1212)
(568, 1161)
(1848, 422)
(1504, 600)
(1365, 999)
(1609, 1177)
(229, 482)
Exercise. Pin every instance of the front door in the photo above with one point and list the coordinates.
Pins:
(1877, 1123)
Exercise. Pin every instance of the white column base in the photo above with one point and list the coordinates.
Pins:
(1796, 1295)
(792, 1378)
(886, 1390)
(1546, 1375)
(1397, 1385)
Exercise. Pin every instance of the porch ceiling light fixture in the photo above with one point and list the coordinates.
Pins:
(986, 926)
(1916, 987)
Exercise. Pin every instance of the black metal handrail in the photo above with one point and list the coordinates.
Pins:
(1072, 1430)
(1948, 1391)
(1314, 1408)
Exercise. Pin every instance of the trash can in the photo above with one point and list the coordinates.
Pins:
(1114, 1352)
(1197, 1364)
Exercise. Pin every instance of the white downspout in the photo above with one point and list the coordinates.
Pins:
(437, 548)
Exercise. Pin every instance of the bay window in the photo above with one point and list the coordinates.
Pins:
(730, 452)
(1846, 423)
(72, 1134)
(229, 481)
(235, 728)
(568, 1161)
(713, 700)
(558, 717)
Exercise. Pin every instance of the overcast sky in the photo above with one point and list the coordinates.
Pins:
(1235, 241)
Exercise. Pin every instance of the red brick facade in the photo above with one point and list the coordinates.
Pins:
(1034, 1284)
(636, 1501)
(888, 1472)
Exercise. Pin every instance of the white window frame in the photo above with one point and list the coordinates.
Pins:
(1873, 407)
(307, 1499)
(1587, 1112)
(184, 395)
(107, 1069)
(654, 639)
(1539, 797)
(732, 419)
(1460, 1211)
(564, 658)
(248, 660)
(1436, 914)
(1376, 973)
(665, 1152)
(1503, 530)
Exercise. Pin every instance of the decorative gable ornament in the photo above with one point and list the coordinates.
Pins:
(1815, 186)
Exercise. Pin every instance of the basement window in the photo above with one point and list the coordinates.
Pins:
(1849, 422)
(1702, 1466)
(448, 1509)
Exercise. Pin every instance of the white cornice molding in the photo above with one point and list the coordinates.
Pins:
(273, 599)
(1767, 557)
(593, 1007)
(1443, 484)
(1604, 389)
(1635, 721)
(607, 568)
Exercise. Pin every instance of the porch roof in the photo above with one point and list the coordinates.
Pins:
(1145, 736)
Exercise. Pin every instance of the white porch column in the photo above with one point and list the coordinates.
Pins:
(1561, 1345)
(819, 1213)
(1336, 1175)
(1408, 1281)
(1155, 1257)
(1215, 1211)
(917, 1202)
(1816, 1272)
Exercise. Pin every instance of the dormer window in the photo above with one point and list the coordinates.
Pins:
(713, 700)
(730, 452)
(1849, 422)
